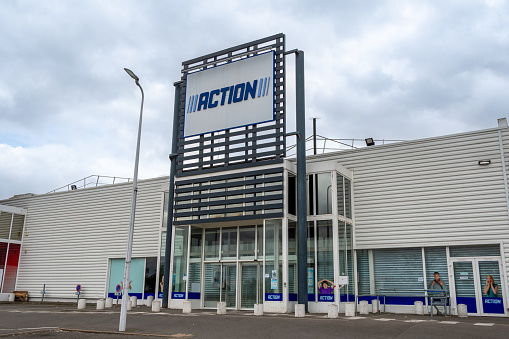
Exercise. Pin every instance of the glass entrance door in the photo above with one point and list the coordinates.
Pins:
(472, 282)
(212, 285)
(220, 284)
(464, 282)
(491, 287)
(229, 286)
(251, 285)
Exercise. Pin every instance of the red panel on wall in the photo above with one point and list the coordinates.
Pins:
(11, 269)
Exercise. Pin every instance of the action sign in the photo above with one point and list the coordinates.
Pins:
(236, 94)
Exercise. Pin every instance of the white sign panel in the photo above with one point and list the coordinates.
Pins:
(343, 280)
(232, 95)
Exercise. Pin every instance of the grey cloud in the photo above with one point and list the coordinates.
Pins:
(63, 82)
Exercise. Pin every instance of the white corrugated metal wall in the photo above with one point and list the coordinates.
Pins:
(429, 192)
(69, 236)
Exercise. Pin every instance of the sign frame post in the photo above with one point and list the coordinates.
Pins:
(78, 292)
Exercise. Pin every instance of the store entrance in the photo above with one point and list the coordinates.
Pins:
(239, 285)
(251, 284)
(220, 284)
(470, 280)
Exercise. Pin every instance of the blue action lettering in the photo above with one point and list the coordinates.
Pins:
(237, 93)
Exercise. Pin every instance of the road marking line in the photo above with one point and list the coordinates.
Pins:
(355, 318)
(449, 322)
(384, 319)
(484, 324)
(28, 328)
(416, 321)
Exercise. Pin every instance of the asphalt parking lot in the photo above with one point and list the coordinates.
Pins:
(35, 320)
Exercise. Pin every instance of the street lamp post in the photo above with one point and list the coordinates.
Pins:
(127, 269)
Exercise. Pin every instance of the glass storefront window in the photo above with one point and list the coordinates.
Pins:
(311, 257)
(5, 224)
(323, 193)
(324, 254)
(229, 243)
(259, 242)
(194, 275)
(340, 192)
(212, 244)
(319, 193)
(161, 262)
(345, 245)
(292, 257)
(17, 227)
(344, 194)
(247, 235)
(136, 276)
(165, 209)
(180, 259)
(292, 194)
(3, 256)
(196, 242)
(348, 198)
(150, 275)
(273, 256)
(349, 257)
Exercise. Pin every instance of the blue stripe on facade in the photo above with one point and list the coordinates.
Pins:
(194, 102)
(137, 295)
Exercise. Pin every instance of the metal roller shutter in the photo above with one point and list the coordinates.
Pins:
(399, 269)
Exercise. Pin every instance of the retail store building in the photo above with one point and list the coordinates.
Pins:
(386, 216)
(380, 219)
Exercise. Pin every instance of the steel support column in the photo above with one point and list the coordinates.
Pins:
(169, 222)
(301, 181)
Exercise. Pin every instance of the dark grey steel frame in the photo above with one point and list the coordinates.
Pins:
(206, 159)
(210, 152)
(205, 144)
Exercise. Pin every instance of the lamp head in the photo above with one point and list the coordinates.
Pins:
(131, 74)
(370, 142)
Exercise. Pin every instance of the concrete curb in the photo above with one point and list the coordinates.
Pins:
(178, 335)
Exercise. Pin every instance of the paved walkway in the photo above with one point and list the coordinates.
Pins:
(34, 320)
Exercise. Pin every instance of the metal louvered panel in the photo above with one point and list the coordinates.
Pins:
(399, 269)
(228, 197)
(363, 272)
(240, 147)
(475, 251)
(436, 261)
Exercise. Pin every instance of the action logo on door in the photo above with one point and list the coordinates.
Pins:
(176, 295)
(492, 301)
(273, 297)
(326, 297)
(493, 305)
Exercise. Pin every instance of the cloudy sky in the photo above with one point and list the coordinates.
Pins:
(382, 69)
